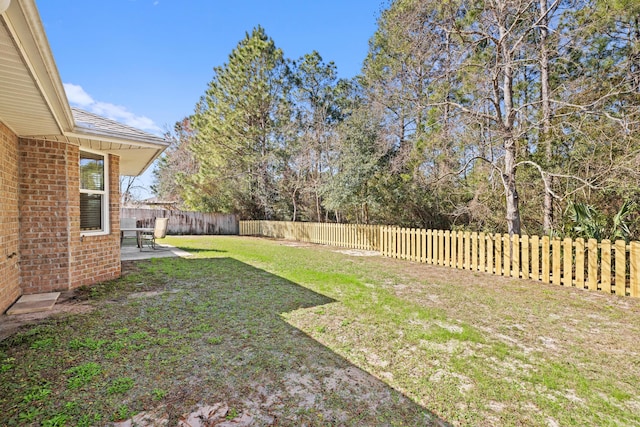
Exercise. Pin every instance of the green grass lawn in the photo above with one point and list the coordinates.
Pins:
(287, 334)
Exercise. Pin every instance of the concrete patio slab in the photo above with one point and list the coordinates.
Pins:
(133, 253)
(34, 303)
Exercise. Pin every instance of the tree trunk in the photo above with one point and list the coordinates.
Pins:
(508, 118)
(295, 205)
(545, 99)
(365, 213)
(511, 192)
(318, 210)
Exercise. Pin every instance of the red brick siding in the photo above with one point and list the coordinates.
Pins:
(9, 226)
(44, 216)
(54, 254)
(95, 258)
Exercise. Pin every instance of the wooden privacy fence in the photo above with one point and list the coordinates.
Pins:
(354, 236)
(609, 267)
(183, 222)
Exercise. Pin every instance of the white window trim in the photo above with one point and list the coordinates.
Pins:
(106, 226)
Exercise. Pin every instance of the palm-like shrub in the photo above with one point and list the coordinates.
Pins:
(586, 221)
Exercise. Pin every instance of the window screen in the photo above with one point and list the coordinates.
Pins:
(92, 192)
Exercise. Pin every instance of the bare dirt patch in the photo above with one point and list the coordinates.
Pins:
(218, 415)
(356, 252)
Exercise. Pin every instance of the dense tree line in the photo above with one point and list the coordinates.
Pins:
(494, 115)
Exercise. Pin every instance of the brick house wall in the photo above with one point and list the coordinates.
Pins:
(9, 226)
(41, 247)
(44, 215)
(95, 258)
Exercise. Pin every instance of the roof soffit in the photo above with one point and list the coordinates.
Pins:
(36, 78)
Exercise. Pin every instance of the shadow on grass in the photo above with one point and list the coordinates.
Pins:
(194, 251)
(203, 332)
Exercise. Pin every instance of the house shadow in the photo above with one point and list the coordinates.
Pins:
(238, 350)
(206, 341)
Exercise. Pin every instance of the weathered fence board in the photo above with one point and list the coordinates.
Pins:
(181, 222)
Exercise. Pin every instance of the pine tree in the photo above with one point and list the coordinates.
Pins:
(237, 124)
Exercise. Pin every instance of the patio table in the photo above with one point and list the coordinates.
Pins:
(139, 231)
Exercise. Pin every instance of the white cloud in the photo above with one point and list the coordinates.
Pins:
(77, 95)
(79, 98)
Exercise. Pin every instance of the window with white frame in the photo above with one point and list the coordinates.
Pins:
(94, 193)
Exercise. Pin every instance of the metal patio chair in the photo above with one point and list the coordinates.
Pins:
(159, 232)
(127, 223)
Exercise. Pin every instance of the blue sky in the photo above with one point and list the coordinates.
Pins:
(147, 62)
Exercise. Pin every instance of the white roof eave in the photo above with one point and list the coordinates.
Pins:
(115, 138)
(24, 25)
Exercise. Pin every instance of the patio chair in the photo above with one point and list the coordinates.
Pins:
(127, 223)
(159, 232)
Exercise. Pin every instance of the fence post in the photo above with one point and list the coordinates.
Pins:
(366, 237)
(545, 260)
(474, 251)
(392, 242)
(634, 285)
(525, 257)
(498, 260)
(579, 263)
(447, 248)
(454, 252)
(429, 237)
(567, 258)
(384, 239)
(461, 250)
(555, 265)
(482, 265)
(535, 257)
(506, 252)
(605, 269)
(434, 247)
(621, 267)
(405, 242)
(515, 256)
(467, 250)
(490, 254)
(592, 247)
(406, 235)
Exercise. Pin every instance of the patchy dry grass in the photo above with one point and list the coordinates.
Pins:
(286, 334)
